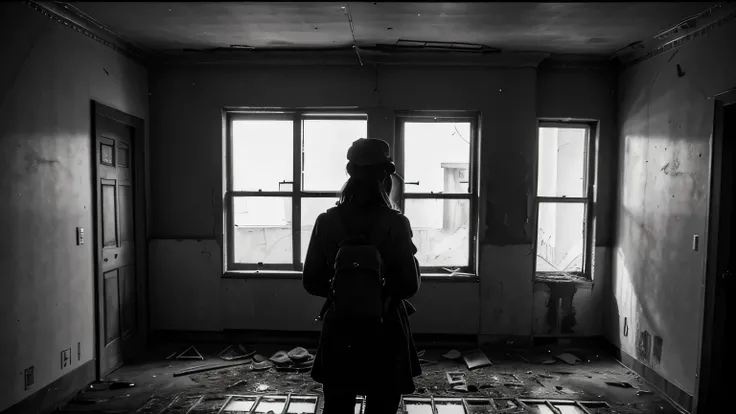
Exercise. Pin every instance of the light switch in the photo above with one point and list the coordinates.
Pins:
(80, 236)
(696, 242)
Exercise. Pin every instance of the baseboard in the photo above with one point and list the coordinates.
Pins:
(50, 397)
(505, 340)
(676, 395)
(306, 339)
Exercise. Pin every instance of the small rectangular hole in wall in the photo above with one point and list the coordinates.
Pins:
(28, 376)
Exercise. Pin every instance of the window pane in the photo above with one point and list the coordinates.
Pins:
(262, 231)
(262, 155)
(441, 231)
(560, 237)
(311, 208)
(326, 144)
(562, 159)
(437, 155)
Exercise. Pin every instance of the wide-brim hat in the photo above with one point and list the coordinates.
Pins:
(366, 152)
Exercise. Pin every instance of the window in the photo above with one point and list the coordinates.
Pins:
(438, 162)
(564, 201)
(284, 169)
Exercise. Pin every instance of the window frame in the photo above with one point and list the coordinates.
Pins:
(588, 199)
(298, 116)
(474, 118)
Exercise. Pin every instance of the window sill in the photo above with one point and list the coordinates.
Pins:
(261, 274)
(286, 274)
(556, 278)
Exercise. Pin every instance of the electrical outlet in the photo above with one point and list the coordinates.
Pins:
(28, 377)
(80, 236)
(66, 358)
(79, 351)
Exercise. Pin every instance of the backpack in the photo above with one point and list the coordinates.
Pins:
(358, 282)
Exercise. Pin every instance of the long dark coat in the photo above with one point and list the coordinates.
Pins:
(361, 359)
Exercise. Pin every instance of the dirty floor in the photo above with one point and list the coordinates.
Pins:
(528, 380)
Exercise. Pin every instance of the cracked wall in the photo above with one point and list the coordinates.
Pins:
(49, 74)
(187, 183)
(666, 121)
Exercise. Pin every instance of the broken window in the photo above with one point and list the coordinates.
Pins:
(439, 189)
(284, 169)
(564, 213)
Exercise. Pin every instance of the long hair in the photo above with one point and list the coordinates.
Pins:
(366, 186)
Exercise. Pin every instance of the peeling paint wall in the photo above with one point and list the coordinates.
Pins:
(187, 180)
(666, 121)
(49, 74)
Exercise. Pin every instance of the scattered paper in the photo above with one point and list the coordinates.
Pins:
(453, 354)
(476, 359)
(569, 358)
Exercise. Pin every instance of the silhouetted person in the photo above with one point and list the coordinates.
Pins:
(361, 258)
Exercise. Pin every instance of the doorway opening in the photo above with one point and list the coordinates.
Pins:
(711, 393)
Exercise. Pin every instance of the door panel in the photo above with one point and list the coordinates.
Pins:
(126, 213)
(128, 300)
(112, 321)
(109, 214)
(116, 245)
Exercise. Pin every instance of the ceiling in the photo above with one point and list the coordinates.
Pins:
(564, 28)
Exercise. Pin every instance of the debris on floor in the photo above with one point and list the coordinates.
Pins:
(569, 358)
(235, 351)
(509, 382)
(620, 384)
(453, 354)
(208, 367)
(190, 353)
(476, 359)
(261, 366)
(423, 361)
(236, 383)
(110, 385)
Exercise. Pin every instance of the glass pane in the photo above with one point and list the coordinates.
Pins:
(441, 230)
(262, 154)
(541, 408)
(267, 405)
(240, 404)
(419, 407)
(560, 237)
(262, 230)
(436, 156)
(450, 408)
(562, 162)
(326, 144)
(302, 405)
(311, 208)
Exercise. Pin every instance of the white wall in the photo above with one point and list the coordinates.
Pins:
(666, 122)
(49, 75)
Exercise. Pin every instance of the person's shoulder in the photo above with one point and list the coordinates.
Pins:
(328, 215)
(396, 217)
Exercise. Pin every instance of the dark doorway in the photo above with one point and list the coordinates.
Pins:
(120, 268)
(715, 363)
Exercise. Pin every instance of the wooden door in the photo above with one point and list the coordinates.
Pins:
(118, 333)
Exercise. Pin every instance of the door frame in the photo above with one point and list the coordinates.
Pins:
(140, 214)
(712, 340)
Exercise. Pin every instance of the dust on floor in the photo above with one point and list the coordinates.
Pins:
(515, 376)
